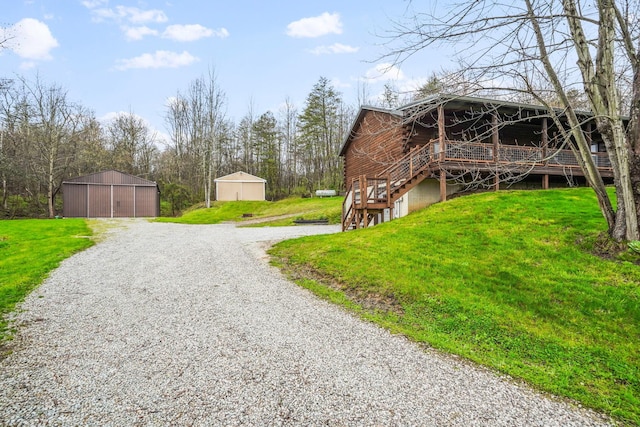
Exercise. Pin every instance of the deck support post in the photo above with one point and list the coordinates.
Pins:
(495, 138)
(545, 149)
(545, 139)
(443, 185)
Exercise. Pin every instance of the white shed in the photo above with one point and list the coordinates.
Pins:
(240, 186)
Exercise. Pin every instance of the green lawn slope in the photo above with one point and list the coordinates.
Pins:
(504, 279)
(282, 212)
(29, 250)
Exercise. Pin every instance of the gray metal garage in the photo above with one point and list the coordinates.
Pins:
(110, 194)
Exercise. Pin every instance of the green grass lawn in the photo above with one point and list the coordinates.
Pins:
(504, 279)
(329, 208)
(29, 250)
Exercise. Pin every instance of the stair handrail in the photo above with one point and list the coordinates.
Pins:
(410, 164)
(347, 207)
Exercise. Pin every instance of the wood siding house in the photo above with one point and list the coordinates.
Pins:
(398, 161)
(110, 194)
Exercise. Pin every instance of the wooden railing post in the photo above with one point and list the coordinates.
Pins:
(388, 191)
(411, 151)
(442, 133)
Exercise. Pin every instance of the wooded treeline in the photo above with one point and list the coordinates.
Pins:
(45, 138)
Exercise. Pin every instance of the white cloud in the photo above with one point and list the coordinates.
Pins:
(159, 59)
(383, 72)
(334, 48)
(327, 23)
(90, 4)
(138, 33)
(130, 14)
(31, 39)
(187, 33)
(136, 15)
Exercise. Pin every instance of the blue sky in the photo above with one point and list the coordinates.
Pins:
(127, 55)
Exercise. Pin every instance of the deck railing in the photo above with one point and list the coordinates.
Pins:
(404, 169)
(365, 192)
(377, 190)
(480, 152)
(347, 208)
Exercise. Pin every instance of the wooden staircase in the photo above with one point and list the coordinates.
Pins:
(367, 198)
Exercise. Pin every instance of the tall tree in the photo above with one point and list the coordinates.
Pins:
(320, 135)
(214, 124)
(245, 137)
(531, 46)
(267, 143)
(196, 120)
(49, 127)
(288, 124)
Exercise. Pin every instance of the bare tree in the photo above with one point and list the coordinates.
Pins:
(288, 123)
(549, 51)
(214, 122)
(196, 121)
(56, 129)
(132, 145)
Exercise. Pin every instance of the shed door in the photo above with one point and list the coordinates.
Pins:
(123, 202)
(74, 201)
(99, 201)
(253, 191)
(230, 191)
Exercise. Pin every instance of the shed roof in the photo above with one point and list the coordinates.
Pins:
(240, 177)
(111, 177)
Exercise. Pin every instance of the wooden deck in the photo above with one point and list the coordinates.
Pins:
(368, 197)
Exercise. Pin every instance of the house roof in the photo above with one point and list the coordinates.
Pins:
(111, 177)
(461, 102)
(363, 111)
(409, 111)
(240, 177)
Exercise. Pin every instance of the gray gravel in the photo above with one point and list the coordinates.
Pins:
(167, 324)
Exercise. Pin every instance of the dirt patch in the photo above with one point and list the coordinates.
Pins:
(370, 301)
(264, 219)
(607, 248)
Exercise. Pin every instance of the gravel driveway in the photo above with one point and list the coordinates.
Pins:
(168, 324)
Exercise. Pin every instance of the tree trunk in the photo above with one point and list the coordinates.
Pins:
(50, 188)
(5, 205)
(634, 173)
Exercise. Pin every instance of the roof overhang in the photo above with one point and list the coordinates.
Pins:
(363, 111)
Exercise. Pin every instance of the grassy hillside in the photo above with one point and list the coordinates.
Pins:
(29, 250)
(293, 208)
(504, 279)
